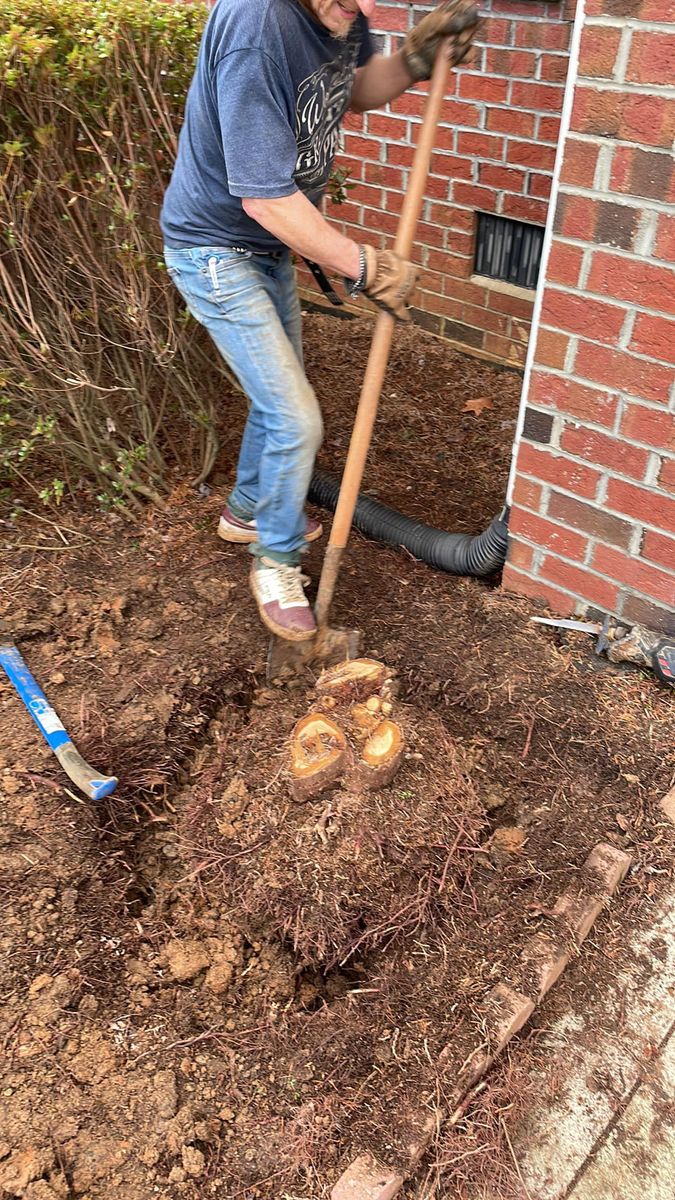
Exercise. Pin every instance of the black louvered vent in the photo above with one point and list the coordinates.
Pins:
(508, 250)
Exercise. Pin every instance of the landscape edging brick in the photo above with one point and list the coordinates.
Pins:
(507, 1010)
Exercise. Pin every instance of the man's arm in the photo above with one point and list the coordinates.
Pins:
(381, 80)
(297, 223)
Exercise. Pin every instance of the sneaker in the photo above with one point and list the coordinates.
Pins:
(236, 529)
(282, 603)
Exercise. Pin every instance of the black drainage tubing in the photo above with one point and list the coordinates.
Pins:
(457, 553)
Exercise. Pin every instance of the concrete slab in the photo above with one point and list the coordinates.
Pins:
(602, 1069)
(636, 1160)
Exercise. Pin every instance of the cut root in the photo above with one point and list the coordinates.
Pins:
(355, 680)
(380, 758)
(319, 756)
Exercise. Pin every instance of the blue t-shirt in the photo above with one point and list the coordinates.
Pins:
(262, 117)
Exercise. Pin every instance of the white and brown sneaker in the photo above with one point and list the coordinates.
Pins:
(282, 603)
(236, 529)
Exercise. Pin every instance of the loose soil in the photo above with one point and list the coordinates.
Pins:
(211, 990)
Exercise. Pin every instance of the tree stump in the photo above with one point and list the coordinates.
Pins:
(359, 746)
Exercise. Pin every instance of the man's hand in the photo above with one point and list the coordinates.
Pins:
(389, 281)
(455, 20)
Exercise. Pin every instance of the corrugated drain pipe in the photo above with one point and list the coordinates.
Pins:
(457, 553)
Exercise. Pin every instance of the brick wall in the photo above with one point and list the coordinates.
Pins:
(593, 519)
(496, 148)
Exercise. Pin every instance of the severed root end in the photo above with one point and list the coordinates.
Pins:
(354, 680)
(380, 757)
(319, 756)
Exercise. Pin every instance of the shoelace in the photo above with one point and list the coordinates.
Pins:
(291, 580)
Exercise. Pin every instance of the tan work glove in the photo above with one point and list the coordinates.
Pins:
(388, 280)
(456, 20)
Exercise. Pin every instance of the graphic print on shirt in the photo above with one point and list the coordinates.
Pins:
(322, 101)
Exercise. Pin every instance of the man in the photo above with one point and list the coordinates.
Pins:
(272, 82)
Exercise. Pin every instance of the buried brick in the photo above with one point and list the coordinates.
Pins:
(506, 1012)
(365, 1179)
(668, 804)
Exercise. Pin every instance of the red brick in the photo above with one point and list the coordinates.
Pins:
(658, 549)
(539, 96)
(468, 291)
(489, 89)
(654, 336)
(525, 208)
(482, 145)
(547, 535)
(361, 147)
(520, 554)
(582, 315)
(471, 196)
(564, 263)
(631, 572)
(638, 611)
(392, 128)
(579, 163)
(513, 352)
(652, 57)
(648, 380)
(549, 130)
(388, 177)
(531, 154)
(542, 35)
(510, 120)
(576, 216)
(554, 68)
(596, 112)
(399, 156)
(364, 194)
(516, 306)
(580, 907)
(516, 64)
(649, 120)
(667, 475)
(665, 239)
(552, 348)
(374, 218)
(651, 507)
(540, 186)
(527, 493)
(605, 451)
(452, 165)
(504, 178)
(366, 1179)
(644, 173)
(389, 18)
(599, 48)
(582, 583)
(591, 520)
(642, 283)
(574, 398)
(558, 470)
(539, 589)
(457, 112)
(495, 30)
(650, 426)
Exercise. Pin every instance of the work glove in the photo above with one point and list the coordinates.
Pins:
(456, 20)
(386, 279)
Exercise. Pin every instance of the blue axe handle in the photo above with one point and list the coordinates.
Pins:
(48, 722)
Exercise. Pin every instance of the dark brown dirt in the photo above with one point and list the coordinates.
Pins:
(209, 991)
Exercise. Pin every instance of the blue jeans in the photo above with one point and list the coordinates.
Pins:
(249, 304)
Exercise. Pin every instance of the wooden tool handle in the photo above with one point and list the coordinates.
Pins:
(380, 349)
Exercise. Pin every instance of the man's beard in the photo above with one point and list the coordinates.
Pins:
(341, 35)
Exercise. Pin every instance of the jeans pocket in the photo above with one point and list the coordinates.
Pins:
(229, 274)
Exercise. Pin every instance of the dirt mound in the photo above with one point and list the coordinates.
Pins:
(339, 875)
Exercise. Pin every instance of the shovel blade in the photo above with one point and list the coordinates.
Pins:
(288, 660)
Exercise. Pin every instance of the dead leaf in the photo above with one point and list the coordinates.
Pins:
(477, 406)
(622, 822)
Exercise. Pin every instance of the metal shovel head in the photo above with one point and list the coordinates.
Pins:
(287, 660)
